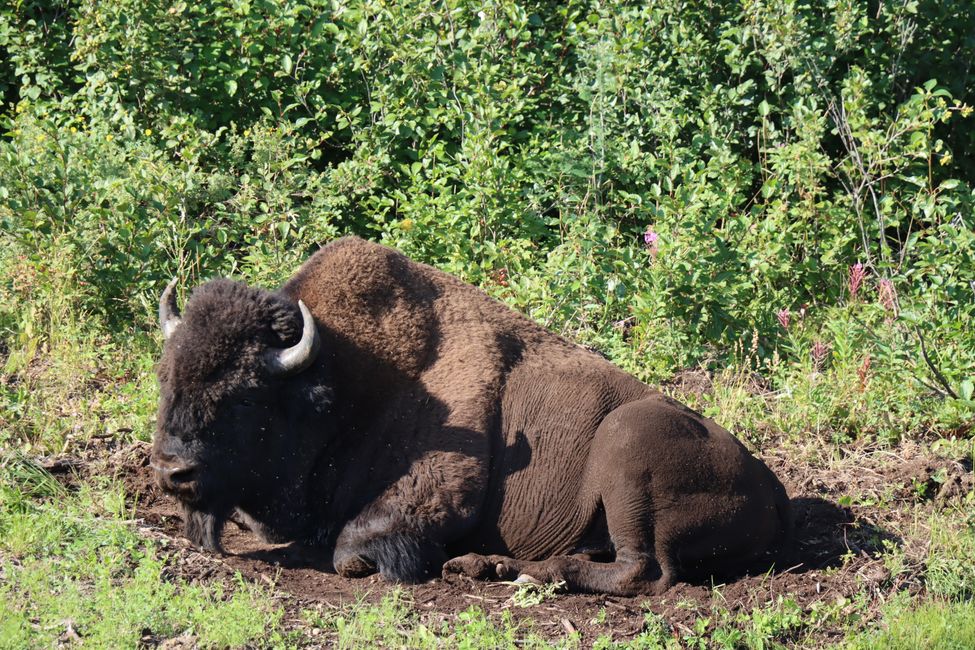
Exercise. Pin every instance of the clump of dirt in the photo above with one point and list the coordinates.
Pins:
(690, 382)
(925, 478)
(131, 465)
(845, 513)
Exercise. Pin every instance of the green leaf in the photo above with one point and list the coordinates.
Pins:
(231, 86)
(966, 389)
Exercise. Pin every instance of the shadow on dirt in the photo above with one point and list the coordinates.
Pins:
(292, 556)
(826, 532)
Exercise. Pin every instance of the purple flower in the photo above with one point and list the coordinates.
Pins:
(783, 316)
(651, 238)
(887, 295)
(857, 273)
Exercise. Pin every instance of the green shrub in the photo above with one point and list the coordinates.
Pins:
(662, 182)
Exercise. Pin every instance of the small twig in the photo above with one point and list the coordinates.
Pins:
(792, 568)
(60, 465)
(934, 370)
(569, 627)
(619, 606)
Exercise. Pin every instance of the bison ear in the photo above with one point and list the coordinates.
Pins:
(295, 358)
(286, 322)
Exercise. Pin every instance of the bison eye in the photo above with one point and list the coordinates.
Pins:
(246, 402)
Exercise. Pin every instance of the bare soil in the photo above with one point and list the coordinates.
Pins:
(837, 547)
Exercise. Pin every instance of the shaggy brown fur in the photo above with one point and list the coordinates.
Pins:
(437, 423)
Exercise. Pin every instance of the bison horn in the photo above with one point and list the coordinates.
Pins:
(168, 311)
(300, 355)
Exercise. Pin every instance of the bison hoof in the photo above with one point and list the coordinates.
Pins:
(354, 566)
(471, 565)
(507, 570)
(524, 578)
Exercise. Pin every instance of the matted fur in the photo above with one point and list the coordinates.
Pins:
(438, 423)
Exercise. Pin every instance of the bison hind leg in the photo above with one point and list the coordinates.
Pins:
(622, 577)
(398, 557)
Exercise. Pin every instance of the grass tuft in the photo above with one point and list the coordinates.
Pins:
(74, 571)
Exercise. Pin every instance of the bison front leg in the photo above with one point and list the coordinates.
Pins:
(402, 534)
(397, 556)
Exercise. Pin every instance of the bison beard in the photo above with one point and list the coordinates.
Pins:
(204, 528)
(411, 425)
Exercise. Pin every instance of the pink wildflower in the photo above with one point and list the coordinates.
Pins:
(783, 316)
(863, 372)
(887, 295)
(857, 273)
(819, 353)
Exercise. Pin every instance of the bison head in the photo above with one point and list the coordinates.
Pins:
(236, 385)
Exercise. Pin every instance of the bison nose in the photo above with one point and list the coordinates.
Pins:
(177, 476)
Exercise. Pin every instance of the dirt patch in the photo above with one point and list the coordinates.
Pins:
(846, 511)
(690, 382)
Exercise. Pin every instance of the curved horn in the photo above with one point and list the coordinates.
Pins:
(299, 356)
(168, 310)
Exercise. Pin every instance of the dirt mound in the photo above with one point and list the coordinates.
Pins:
(835, 553)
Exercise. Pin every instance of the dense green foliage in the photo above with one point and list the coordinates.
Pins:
(669, 183)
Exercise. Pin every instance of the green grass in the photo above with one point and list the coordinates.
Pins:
(74, 568)
(64, 377)
(931, 625)
(951, 558)
(394, 623)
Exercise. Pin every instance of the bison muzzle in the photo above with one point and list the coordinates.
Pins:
(411, 425)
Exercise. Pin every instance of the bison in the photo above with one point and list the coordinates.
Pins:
(407, 423)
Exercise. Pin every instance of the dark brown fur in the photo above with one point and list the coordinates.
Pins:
(437, 423)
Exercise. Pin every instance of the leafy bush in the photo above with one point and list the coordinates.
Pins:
(666, 183)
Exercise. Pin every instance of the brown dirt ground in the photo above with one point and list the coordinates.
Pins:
(836, 555)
